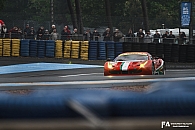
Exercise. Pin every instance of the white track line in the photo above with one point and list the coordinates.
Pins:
(98, 82)
(81, 75)
(181, 70)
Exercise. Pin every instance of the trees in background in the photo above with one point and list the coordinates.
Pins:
(122, 14)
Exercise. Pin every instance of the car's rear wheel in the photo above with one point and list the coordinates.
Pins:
(153, 69)
(163, 71)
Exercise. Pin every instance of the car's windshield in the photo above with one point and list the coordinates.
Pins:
(129, 57)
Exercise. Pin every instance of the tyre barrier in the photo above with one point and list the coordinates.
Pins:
(127, 47)
(67, 47)
(101, 51)
(165, 99)
(118, 48)
(167, 52)
(6, 47)
(152, 48)
(190, 54)
(33, 48)
(136, 46)
(162, 100)
(41, 49)
(58, 49)
(182, 53)
(93, 50)
(75, 51)
(174, 53)
(50, 48)
(24, 48)
(110, 50)
(15, 46)
(84, 50)
(144, 47)
(160, 50)
(1, 47)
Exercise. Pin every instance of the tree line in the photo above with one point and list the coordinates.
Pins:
(122, 14)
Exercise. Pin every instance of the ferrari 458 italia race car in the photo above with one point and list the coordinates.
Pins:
(134, 63)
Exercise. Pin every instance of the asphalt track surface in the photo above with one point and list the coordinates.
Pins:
(51, 73)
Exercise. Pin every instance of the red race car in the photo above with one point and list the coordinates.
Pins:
(134, 63)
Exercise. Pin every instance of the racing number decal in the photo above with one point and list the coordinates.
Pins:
(124, 66)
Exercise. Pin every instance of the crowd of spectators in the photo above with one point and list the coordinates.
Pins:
(65, 34)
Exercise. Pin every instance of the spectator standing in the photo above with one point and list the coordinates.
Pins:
(156, 37)
(193, 39)
(117, 35)
(54, 35)
(140, 35)
(14, 33)
(46, 35)
(107, 35)
(171, 37)
(148, 38)
(31, 34)
(182, 38)
(3, 31)
(20, 33)
(26, 30)
(96, 35)
(130, 36)
(1, 23)
(52, 28)
(40, 33)
(65, 33)
(75, 35)
(165, 36)
(88, 35)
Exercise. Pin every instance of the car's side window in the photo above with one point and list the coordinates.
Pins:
(150, 58)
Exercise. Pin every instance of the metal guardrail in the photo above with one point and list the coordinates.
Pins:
(81, 37)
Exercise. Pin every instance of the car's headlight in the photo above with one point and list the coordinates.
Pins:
(110, 65)
(142, 65)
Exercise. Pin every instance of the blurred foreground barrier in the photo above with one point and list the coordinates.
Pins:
(163, 99)
(167, 101)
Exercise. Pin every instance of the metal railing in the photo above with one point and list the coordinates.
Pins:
(81, 37)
